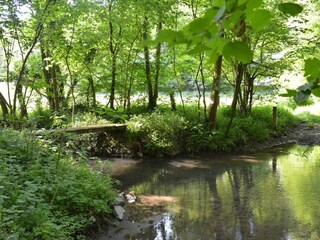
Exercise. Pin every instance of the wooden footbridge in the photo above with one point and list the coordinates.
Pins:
(111, 129)
(109, 139)
(116, 130)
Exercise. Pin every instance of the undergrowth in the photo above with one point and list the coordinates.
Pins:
(163, 130)
(45, 193)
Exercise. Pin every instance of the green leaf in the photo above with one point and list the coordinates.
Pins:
(171, 37)
(217, 44)
(200, 48)
(166, 35)
(218, 3)
(238, 50)
(258, 19)
(199, 25)
(316, 92)
(220, 14)
(252, 4)
(302, 96)
(306, 87)
(289, 93)
(312, 67)
(291, 9)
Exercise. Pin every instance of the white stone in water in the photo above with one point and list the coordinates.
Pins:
(118, 212)
(131, 197)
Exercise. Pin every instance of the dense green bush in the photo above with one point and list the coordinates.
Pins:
(41, 118)
(256, 127)
(47, 195)
(160, 133)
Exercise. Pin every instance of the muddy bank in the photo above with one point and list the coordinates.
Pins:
(301, 134)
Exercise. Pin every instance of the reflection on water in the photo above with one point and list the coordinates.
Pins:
(264, 196)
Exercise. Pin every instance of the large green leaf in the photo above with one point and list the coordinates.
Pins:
(289, 93)
(316, 92)
(312, 68)
(252, 4)
(302, 96)
(166, 35)
(238, 50)
(199, 48)
(171, 37)
(218, 3)
(220, 13)
(199, 25)
(304, 92)
(258, 19)
(291, 9)
(217, 44)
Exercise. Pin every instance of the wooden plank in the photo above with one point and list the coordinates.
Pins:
(108, 128)
(116, 128)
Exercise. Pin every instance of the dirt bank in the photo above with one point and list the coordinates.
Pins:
(302, 134)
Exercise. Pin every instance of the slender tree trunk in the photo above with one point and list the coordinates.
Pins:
(172, 101)
(91, 87)
(113, 82)
(199, 93)
(113, 52)
(55, 88)
(157, 71)
(205, 120)
(131, 81)
(237, 89)
(4, 106)
(47, 77)
(92, 91)
(113, 48)
(21, 99)
(200, 71)
(177, 79)
(147, 65)
(250, 91)
(215, 94)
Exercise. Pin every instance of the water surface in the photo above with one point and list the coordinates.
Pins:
(271, 195)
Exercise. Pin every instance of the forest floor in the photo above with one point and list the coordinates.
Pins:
(302, 134)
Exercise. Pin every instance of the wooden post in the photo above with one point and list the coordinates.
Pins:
(275, 117)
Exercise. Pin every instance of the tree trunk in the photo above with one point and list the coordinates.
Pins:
(21, 99)
(151, 105)
(92, 90)
(172, 101)
(203, 91)
(4, 106)
(113, 50)
(113, 82)
(237, 89)
(47, 77)
(157, 70)
(215, 94)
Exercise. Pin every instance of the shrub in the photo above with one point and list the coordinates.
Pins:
(46, 195)
(160, 133)
(41, 118)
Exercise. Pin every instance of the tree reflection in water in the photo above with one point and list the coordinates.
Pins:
(263, 196)
(164, 228)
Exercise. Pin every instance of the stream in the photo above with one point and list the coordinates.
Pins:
(267, 195)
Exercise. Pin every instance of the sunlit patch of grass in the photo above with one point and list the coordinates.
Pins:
(309, 114)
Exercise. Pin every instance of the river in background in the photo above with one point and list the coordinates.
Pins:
(271, 195)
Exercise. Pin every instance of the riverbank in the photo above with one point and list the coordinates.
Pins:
(300, 133)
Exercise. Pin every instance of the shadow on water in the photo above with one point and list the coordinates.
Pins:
(272, 195)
